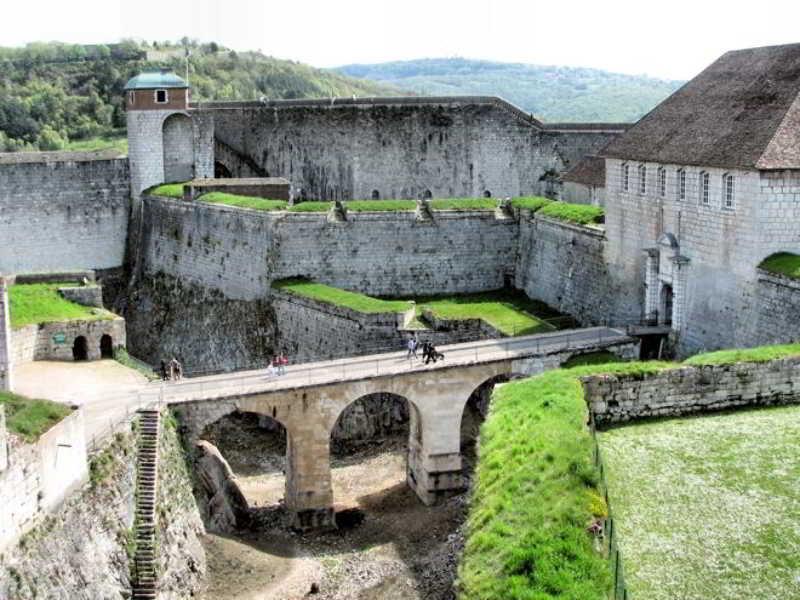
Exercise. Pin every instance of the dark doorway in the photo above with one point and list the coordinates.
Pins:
(666, 304)
(376, 195)
(106, 347)
(80, 349)
(221, 171)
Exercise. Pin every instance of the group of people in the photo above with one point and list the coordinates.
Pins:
(172, 371)
(277, 366)
(429, 352)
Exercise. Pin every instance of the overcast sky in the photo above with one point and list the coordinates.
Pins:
(671, 40)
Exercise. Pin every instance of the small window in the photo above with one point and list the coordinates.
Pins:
(161, 97)
(132, 98)
(625, 176)
(728, 187)
(642, 179)
(704, 179)
(662, 182)
(681, 184)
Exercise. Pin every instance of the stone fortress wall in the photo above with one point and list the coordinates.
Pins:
(400, 147)
(61, 211)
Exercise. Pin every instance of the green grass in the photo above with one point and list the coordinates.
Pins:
(758, 354)
(510, 313)
(119, 143)
(783, 263)
(536, 491)
(581, 214)
(40, 303)
(168, 190)
(30, 418)
(340, 297)
(533, 203)
(243, 201)
(464, 203)
(708, 507)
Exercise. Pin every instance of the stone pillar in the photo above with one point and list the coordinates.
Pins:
(651, 284)
(434, 452)
(6, 381)
(679, 274)
(309, 494)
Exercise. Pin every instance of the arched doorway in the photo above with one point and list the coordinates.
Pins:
(221, 171)
(666, 304)
(80, 349)
(178, 148)
(106, 346)
(369, 454)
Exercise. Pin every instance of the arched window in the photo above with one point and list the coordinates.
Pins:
(625, 177)
(728, 191)
(703, 191)
(662, 182)
(681, 184)
(642, 179)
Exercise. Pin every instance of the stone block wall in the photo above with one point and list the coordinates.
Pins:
(686, 390)
(41, 475)
(62, 214)
(5, 338)
(3, 440)
(88, 295)
(42, 341)
(776, 303)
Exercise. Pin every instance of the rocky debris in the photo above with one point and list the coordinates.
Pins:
(225, 504)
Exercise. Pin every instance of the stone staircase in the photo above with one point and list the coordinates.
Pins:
(144, 584)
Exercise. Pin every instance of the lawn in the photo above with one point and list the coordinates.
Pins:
(512, 313)
(40, 303)
(580, 214)
(708, 507)
(535, 493)
(168, 190)
(31, 418)
(532, 203)
(757, 354)
(783, 263)
(243, 201)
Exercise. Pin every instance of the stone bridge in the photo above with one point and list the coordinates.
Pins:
(309, 398)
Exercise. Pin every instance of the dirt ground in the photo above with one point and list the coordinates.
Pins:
(388, 545)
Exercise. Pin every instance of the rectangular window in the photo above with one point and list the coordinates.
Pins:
(625, 179)
(662, 182)
(728, 187)
(161, 96)
(681, 184)
(704, 197)
(642, 179)
(132, 98)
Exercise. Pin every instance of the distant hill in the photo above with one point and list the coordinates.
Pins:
(55, 96)
(551, 93)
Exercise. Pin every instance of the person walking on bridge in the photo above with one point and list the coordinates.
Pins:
(412, 348)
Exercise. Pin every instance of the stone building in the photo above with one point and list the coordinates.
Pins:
(702, 190)
(585, 183)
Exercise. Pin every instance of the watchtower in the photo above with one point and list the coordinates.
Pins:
(160, 130)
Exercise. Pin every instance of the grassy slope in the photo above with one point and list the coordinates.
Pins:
(783, 263)
(580, 214)
(340, 297)
(31, 418)
(758, 354)
(41, 303)
(243, 201)
(708, 507)
(535, 494)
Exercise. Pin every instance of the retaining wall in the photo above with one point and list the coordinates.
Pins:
(776, 303)
(40, 476)
(686, 390)
(62, 211)
(44, 341)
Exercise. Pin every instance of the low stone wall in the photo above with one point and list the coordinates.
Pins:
(54, 341)
(686, 390)
(460, 330)
(87, 295)
(272, 188)
(40, 476)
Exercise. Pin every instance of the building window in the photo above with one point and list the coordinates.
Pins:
(132, 97)
(642, 179)
(681, 184)
(662, 182)
(161, 96)
(625, 177)
(704, 198)
(728, 190)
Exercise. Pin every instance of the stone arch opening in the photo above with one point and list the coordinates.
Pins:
(666, 304)
(106, 346)
(369, 444)
(487, 193)
(221, 171)
(474, 414)
(427, 195)
(80, 349)
(376, 195)
(251, 465)
(178, 148)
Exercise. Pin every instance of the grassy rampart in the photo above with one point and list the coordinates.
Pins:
(30, 418)
(32, 303)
